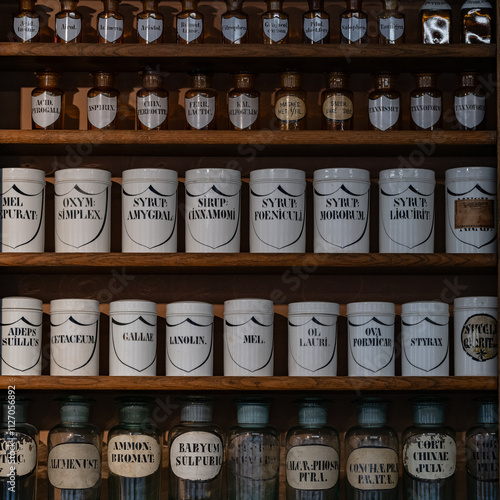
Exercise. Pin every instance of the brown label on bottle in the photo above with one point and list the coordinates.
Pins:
(338, 108)
(290, 108)
(480, 338)
(133, 456)
(475, 213)
(482, 456)
(373, 469)
(18, 454)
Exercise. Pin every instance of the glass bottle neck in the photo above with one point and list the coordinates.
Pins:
(48, 80)
(316, 4)
(391, 4)
(243, 81)
(424, 81)
(469, 80)
(133, 415)
(111, 4)
(200, 81)
(150, 5)
(69, 5)
(234, 5)
(27, 4)
(189, 4)
(337, 81)
(354, 4)
(275, 5)
(384, 82)
(290, 80)
(150, 82)
(103, 80)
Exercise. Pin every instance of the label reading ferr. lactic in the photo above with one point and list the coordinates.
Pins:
(373, 469)
(200, 111)
(24, 456)
(134, 455)
(480, 337)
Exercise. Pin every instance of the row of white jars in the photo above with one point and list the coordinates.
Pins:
(277, 210)
(248, 338)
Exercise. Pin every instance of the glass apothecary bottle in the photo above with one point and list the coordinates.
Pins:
(74, 449)
(253, 453)
(47, 102)
(150, 23)
(429, 453)
(469, 102)
(102, 102)
(234, 23)
(426, 103)
(134, 453)
(26, 25)
(477, 21)
(391, 24)
(68, 23)
(200, 103)
(290, 103)
(316, 24)
(435, 18)
(189, 23)
(152, 103)
(481, 447)
(372, 454)
(337, 108)
(275, 25)
(196, 453)
(354, 24)
(18, 452)
(243, 102)
(312, 455)
(384, 104)
(110, 23)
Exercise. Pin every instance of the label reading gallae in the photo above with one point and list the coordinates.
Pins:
(68, 28)
(25, 449)
(111, 29)
(46, 109)
(373, 469)
(233, 29)
(26, 27)
(243, 110)
(133, 456)
(150, 29)
(152, 110)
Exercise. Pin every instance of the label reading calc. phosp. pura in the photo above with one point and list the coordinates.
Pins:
(26, 27)
(150, 29)
(152, 110)
(233, 28)
(111, 29)
(290, 108)
(67, 28)
(46, 109)
(373, 469)
(275, 28)
(102, 110)
(338, 108)
(243, 110)
(316, 28)
(200, 110)
(479, 337)
(24, 457)
(133, 455)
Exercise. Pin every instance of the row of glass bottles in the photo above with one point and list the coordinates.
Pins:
(435, 20)
(252, 453)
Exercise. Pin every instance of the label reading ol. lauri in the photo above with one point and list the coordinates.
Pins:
(19, 451)
(133, 456)
(480, 338)
(373, 469)
(338, 108)
(290, 108)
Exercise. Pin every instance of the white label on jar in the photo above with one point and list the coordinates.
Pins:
(102, 110)
(275, 28)
(430, 456)
(384, 112)
(470, 110)
(338, 107)
(373, 469)
(68, 28)
(150, 29)
(200, 110)
(196, 456)
(134, 455)
(75, 466)
(254, 457)
(353, 28)
(243, 110)
(233, 29)
(316, 28)
(26, 27)
(392, 28)
(290, 108)
(426, 110)
(312, 467)
(479, 337)
(19, 451)
(435, 5)
(482, 456)
(152, 110)
(46, 109)
(476, 4)
(111, 29)
(189, 29)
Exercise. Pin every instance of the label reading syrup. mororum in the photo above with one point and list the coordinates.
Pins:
(189, 29)
(353, 28)
(470, 110)
(425, 110)
(384, 112)
(233, 29)
(134, 455)
(275, 28)
(392, 28)
(67, 28)
(45, 109)
(152, 110)
(150, 29)
(111, 29)
(26, 27)
(480, 337)
(25, 454)
(243, 110)
(102, 110)
(316, 28)
(373, 469)
(200, 111)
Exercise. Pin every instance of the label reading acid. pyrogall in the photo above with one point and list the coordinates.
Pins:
(46, 109)
(480, 338)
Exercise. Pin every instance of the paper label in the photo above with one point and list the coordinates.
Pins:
(353, 28)
(68, 28)
(233, 28)
(435, 5)
(152, 110)
(243, 110)
(46, 109)
(24, 457)
(189, 29)
(426, 110)
(373, 469)
(338, 107)
(111, 29)
(150, 29)
(482, 456)
(476, 4)
(290, 108)
(392, 27)
(275, 28)
(102, 110)
(470, 110)
(26, 27)
(134, 455)
(384, 112)
(200, 111)
(475, 213)
(480, 337)
(316, 28)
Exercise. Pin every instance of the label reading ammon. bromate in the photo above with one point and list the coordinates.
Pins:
(373, 469)
(133, 456)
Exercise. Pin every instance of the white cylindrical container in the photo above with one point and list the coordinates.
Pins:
(23, 210)
(213, 210)
(190, 339)
(149, 210)
(277, 210)
(82, 205)
(425, 339)
(74, 337)
(21, 336)
(312, 339)
(341, 210)
(248, 337)
(370, 328)
(471, 210)
(132, 337)
(476, 336)
(406, 210)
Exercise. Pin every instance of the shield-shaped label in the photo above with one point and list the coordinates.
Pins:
(316, 28)
(46, 109)
(275, 28)
(384, 112)
(353, 28)
(243, 110)
(101, 110)
(26, 27)
(68, 28)
(392, 27)
(470, 109)
(152, 110)
(110, 28)
(200, 110)
(150, 29)
(233, 29)
(425, 110)
(189, 29)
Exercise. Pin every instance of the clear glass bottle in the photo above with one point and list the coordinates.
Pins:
(426, 103)
(189, 23)
(435, 16)
(384, 104)
(152, 103)
(243, 103)
(134, 452)
(354, 24)
(110, 23)
(316, 24)
(150, 23)
(47, 102)
(74, 450)
(312, 455)
(469, 102)
(18, 452)
(290, 103)
(196, 453)
(252, 453)
(68, 23)
(477, 21)
(26, 26)
(371, 448)
(391, 24)
(200, 103)
(481, 448)
(234, 23)
(337, 108)
(102, 102)
(429, 453)
(275, 26)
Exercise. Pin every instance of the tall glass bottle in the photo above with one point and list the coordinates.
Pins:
(312, 455)
(337, 108)
(290, 103)
(435, 18)
(477, 21)
(150, 23)
(196, 453)
(426, 104)
(18, 452)
(234, 23)
(152, 103)
(74, 453)
(354, 24)
(429, 453)
(26, 26)
(384, 104)
(252, 453)
(189, 23)
(469, 102)
(134, 453)
(68, 23)
(243, 103)
(102, 102)
(316, 24)
(110, 23)
(47, 102)
(391, 24)
(274, 24)
(200, 103)
(481, 447)
(372, 454)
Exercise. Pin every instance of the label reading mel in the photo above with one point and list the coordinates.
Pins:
(26, 27)
(290, 108)
(373, 469)
(133, 456)
(102, 110)
(25, 456)
(45, 109)
(152, 110)
(276, 29)
(111, 29)
(480, 338)
(200, 111)
(67, 28)
(338, 108)
(243, 110)
(150, 29)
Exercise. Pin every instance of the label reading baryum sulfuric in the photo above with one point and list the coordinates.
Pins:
(189, 29)
(338, 108)
(233, 29)
(426, 110)
(243, 110)
(384, 112)
(150, 29)
(152, 110)
(353, 28)
(25, 457)
(392, 28)
(312, 467)
(275, 28)
(46, 109)
(479, 337)
(133, 456)
(101, 110)
(470, 110)
(26, 27)
(482, 457)
(20, 342)
(111, 29)
(290, 108)
(373, 469)
(200, 110)
(316, 28)
(67, 28)
(254, 459)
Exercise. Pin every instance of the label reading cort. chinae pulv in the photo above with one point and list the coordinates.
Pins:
(373, 469)
(133, 456)
(152, 110)
(233, 29)
(46, 109)
(316, 28)
(24, 459)
(67, 28)
(480, 337)
(392, 28)
(111, 29)
(200, 111)
(102, 110)
(189, 29)
(353, 28)
(384, 112)
(150, 29)
(275, 28)
(243, 110)
(425, 110)
(26, 27)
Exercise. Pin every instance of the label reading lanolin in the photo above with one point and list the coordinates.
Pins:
(353, 28)
(102, 110)
(338, 108)
(290, 108)
(426, 110)
(152, 110)
(189, 29)
(111, 29)
(392, 28)
(46, 109)
(134, 455)
(251, 458)
(480, 337)
(19, 451)
(470, 110)
(150, 29)
(482, 457)
(316, 28)
(243, 110)
(373, 469)
(26, 27)
(67, 28)
(275, 28)
(384, 112)
(233, 29)
(200, 111)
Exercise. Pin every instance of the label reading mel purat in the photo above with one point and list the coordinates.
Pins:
(152, 110)
(384, 112)
(25, 449)
(373, 469)
(425, 110)
(353, 28)
(392, 28)
(243, 110)
(68, 28)
(200, 111)
(102, 110)
(233, 29)
(189, 29)
(316, 28)
(46, 109)
(480, 337)
(110, 28)
(150, 29)
(134, 455)
(276, 29)
(26, 27)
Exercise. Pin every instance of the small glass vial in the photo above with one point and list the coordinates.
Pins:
(152, 103)
(102, 102)
(18, 470)
(316, 24)
(481, 448)
(429, 453)
(353, 24)
(150, 23)
(337, 108)
(275, 25)
(196, 453)
(312, 455)
(391, 24)
(372, 454)
(68, 23)
(435, 17)
(290, 106)
(384, 104)
(234, 24)
(189, 23)
(134, 452)
(243, 103)
(74, 449)
(26, 26)
(47, 102)
(253, 453)
(110, 23)
(470, 102)
(426, 103)
(200, 103)
(477, 21)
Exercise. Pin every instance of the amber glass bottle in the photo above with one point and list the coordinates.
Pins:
(150, 23)
(354, 24)
(274, 24)
(477, 21)
(384, 104)
(316, 24)
(47, 102)
(189, 23)
(26, 26)
(102, 102)
(110, 23)
(337, 109)
(200, 103)
(234, 23)
(435, 16)
(68, 23)
(152, 103)
(391, 24)
(290, 103)
(243, 103)
(426, 104)
(470, 102)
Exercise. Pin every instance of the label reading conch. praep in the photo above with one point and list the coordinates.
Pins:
(392, 28)
(482, 457)
(17, 450)
(150, 29)
(133, 455)
(233, 29)
(67, 28)
(26, 27)
(353, 28)
(250, 458)
(338, 108)
(200, 111)
(152, 110)
(102, 110)
(480, 337)
(275, 28)
(46, 109)
(384, 112)
(243, 110)
(111, 29)
(316, 28)
(373, 469)
(470, 110)
(425, 110)
(189, 29)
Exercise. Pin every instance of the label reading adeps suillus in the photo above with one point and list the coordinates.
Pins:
(373, 469)
(68, 28)
(243, 110)
(275, 28)
(233, 28)
(150, 29)
(384, 112)
(425, 110)
(392, 28)
(189, 29)
(316, 28)
(479, 337)
(101, 110)
(17, 450)
(470, 109)
(353, 28)
(26, 27)
(46, 109)
(110, 28)
(200, 110)
(152, 110)
(133, 455)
